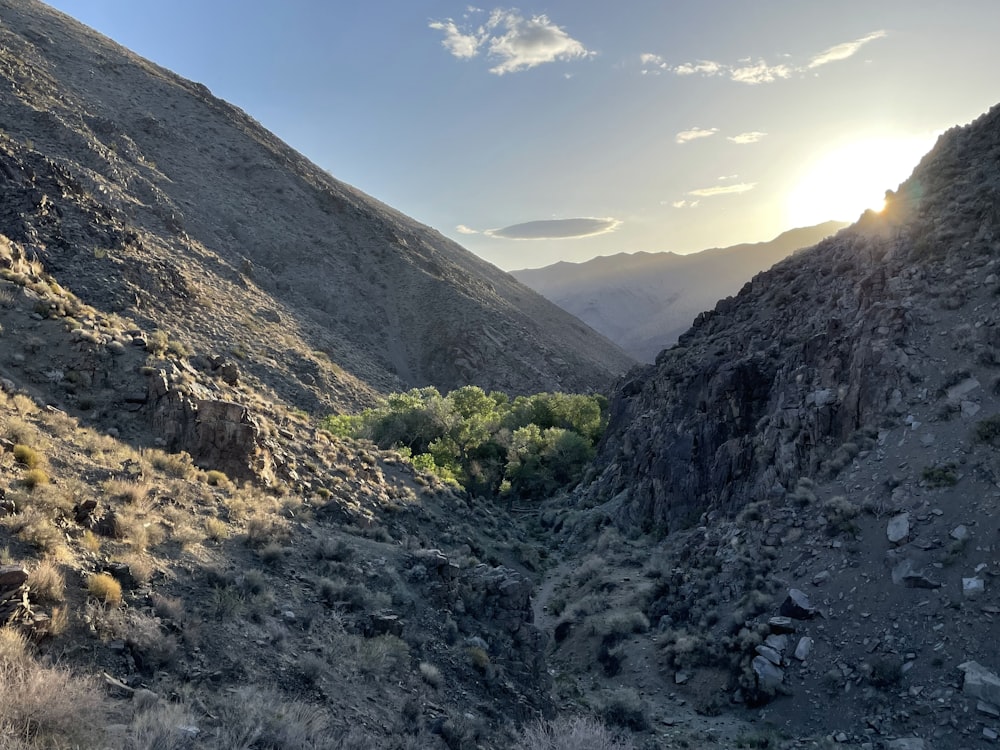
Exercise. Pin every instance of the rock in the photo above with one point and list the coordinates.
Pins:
(12, 576)
(769, 677)
(972, 587)
(820, 578)
(797, 606)
(970, 409)
(906, 743)
(980, 682)
(959, 533)
(988, 708)
(778, 642)
(956, 392)
(781, 625)
(681, 677)
(770, 654)
(990, 734)
(899, 528)
(804, 648)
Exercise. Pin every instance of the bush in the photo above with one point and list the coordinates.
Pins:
(104, 588)
(35, 478)
(569, 733)
(27, 456)
(46, 582)
(623, 707)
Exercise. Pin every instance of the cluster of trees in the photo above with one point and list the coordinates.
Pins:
(529, 447)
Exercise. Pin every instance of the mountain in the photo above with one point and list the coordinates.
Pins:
(644, 301)
(808, 480)
(149, 197)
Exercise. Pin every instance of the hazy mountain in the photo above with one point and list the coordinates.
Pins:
(644, 301)
(146, 195)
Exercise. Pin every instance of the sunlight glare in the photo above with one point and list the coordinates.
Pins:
(845, 181)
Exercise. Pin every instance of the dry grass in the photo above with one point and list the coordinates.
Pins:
(216, 530)
(35, 478)
(47, 583)
(44, 707)
(27, 456)
(574, 733)
(105, 589)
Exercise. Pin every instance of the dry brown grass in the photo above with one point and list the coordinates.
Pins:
(216, 529)
(42, 706)
(105, 589)
(47, 583)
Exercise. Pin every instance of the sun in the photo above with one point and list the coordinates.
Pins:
(846, 180)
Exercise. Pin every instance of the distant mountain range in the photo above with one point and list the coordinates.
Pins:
(644, 301)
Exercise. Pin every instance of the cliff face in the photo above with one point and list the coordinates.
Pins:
(147, 196)
(796, 374)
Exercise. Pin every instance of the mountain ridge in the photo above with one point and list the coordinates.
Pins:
(643, 301)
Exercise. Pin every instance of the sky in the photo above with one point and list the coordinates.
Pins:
(564, 130)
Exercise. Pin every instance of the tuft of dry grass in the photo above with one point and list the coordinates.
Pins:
(27, 456)
(105, 589)
(216, 529)
(35, 478)
(47, 583)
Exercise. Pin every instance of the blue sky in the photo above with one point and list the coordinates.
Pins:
(564, 130)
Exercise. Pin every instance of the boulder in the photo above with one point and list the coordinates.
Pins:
(804, 648)
(769, 676)
(980, 682)
(898, 529)
(797, 606)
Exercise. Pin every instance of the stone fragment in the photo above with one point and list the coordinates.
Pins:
(781, 624)
(769, 677)
(970, 409)
(906, 743)
(959, 533)
(770, 654)
(973, 587)
(990, 734)
(820, 578)
(961, 389)
(778, 642)
(899, 528)
(804, 648)
(797, 606)
(980, 682)
(988, 708)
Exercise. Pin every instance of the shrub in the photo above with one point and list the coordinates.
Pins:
(431, 675)
(46, 582)
(623, 707)
(988, 430)
(44, 706)
(941, 475)
(35, 478)
(27, 456)
(217, 478)
(570, 733)
(104, 588)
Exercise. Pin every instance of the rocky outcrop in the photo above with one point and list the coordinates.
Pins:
(219, 435)
(792, 376)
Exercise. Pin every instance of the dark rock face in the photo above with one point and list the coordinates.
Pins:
(790, 377)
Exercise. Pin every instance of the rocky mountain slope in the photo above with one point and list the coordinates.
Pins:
(807, 487)
(644, 301)
(147, 196)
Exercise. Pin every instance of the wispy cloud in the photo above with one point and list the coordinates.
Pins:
(754, 72)
(844, 50)
(685, 136)
(710, 192)
(462, 229)
(556, 229)
(685, 204)
(743, 138)
(514, 41)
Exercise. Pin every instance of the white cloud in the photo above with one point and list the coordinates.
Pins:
(516, 42)
(751, 137)
(556, 229)
(685, 204)
(462, 229)
(759, 72)
(694, 134)
(844, 50)
(704, 67)
(754, 72)
(462, 46)
(709, 192)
